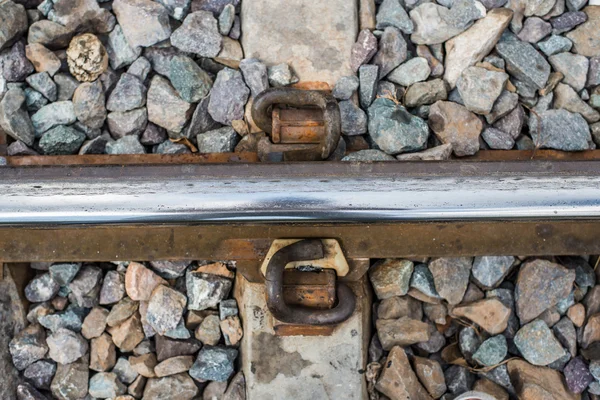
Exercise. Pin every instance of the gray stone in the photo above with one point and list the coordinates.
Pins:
(96, 145)
(226, 18)
(594, 72)
(568, 21)
(433, 24)
(228, 97)
(140, 68)
(560, 130)
(66, 85)
(85, 283)
(165, 309)
(228, 308)
(120, 53)
(468, 342)
(65, 346)
(13, 23)
(524, 62)
(537, 344)
(125, 373)
(206, 290)
(125, 145)
(451, 277)
(363, 50)
(19, 148)
(394, 129)
(153, 135)
(201, 120)
(438, 153)
(144, 23)
(512, 123)
(14, 65)
(160, 58)
(479, 88)
(113, 288)
(52, 115)
(428, 92)
(489, 271)
(179, 386)
(506, 102)
(169, 147)
(14, 119)
(255, 75)
(129, 123)
(61, 140)
(497, 139)
(106, 385)
(199, 34)
(34, 100)
(168, 348)
(573, 66)
(214, 363)
(222, 140)
(191, 82)
(392, 51)
(27, 392)
(575, 5)
(40, 374)
(63, 273)
(80, 15)
(354, 119)
(41, 288)
(555, 44)
(177, 9)
(368, 155)
(344, 87)
(28, 346)
(70, 381)
(525, 143)
(463, 13)
(577, 375)
(564, 330)
(368, 78)
(412, 71)
(492, 351)
(435, 343)
(422, 280)
(215, 6)
(281, 75)
(534, 30)
(458, 379)
(88, 104)
(237, 388)
(43, 84)
(392, 13)
(236, 29)
(129, 94)
(71, 319)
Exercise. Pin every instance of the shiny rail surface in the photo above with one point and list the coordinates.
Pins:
(300, 192)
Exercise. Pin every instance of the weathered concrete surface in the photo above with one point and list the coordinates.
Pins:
(12, 320)
(302, 367)
(314, 37)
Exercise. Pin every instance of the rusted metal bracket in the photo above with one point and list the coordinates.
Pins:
(299, 145)
(300, 251)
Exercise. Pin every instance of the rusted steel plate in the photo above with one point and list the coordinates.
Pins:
(252, 241)
(131, 159)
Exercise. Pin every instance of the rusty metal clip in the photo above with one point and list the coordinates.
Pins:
(300, 151)
(310, 249)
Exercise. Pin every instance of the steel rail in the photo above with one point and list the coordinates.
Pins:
(300, 192)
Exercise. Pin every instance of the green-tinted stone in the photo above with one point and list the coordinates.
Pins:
(61, 140)
(191, 82)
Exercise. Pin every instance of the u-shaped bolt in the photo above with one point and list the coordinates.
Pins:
(304, 250)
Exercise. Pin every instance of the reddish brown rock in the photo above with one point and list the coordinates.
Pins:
(121, 312)
(537, 383)
(174, 365)
(129, 334)
(591, 332)
(431, 375)
(95, 323)
(397, 379)
(103, 355)
(391, 277)
(217, 268)
(144, 364)
(489, 387)
(490, 314)
(400, 306)
(576, 314)
(401, 332)
(540, 285)
(454, 124)
(43, 60)
(140, 282)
